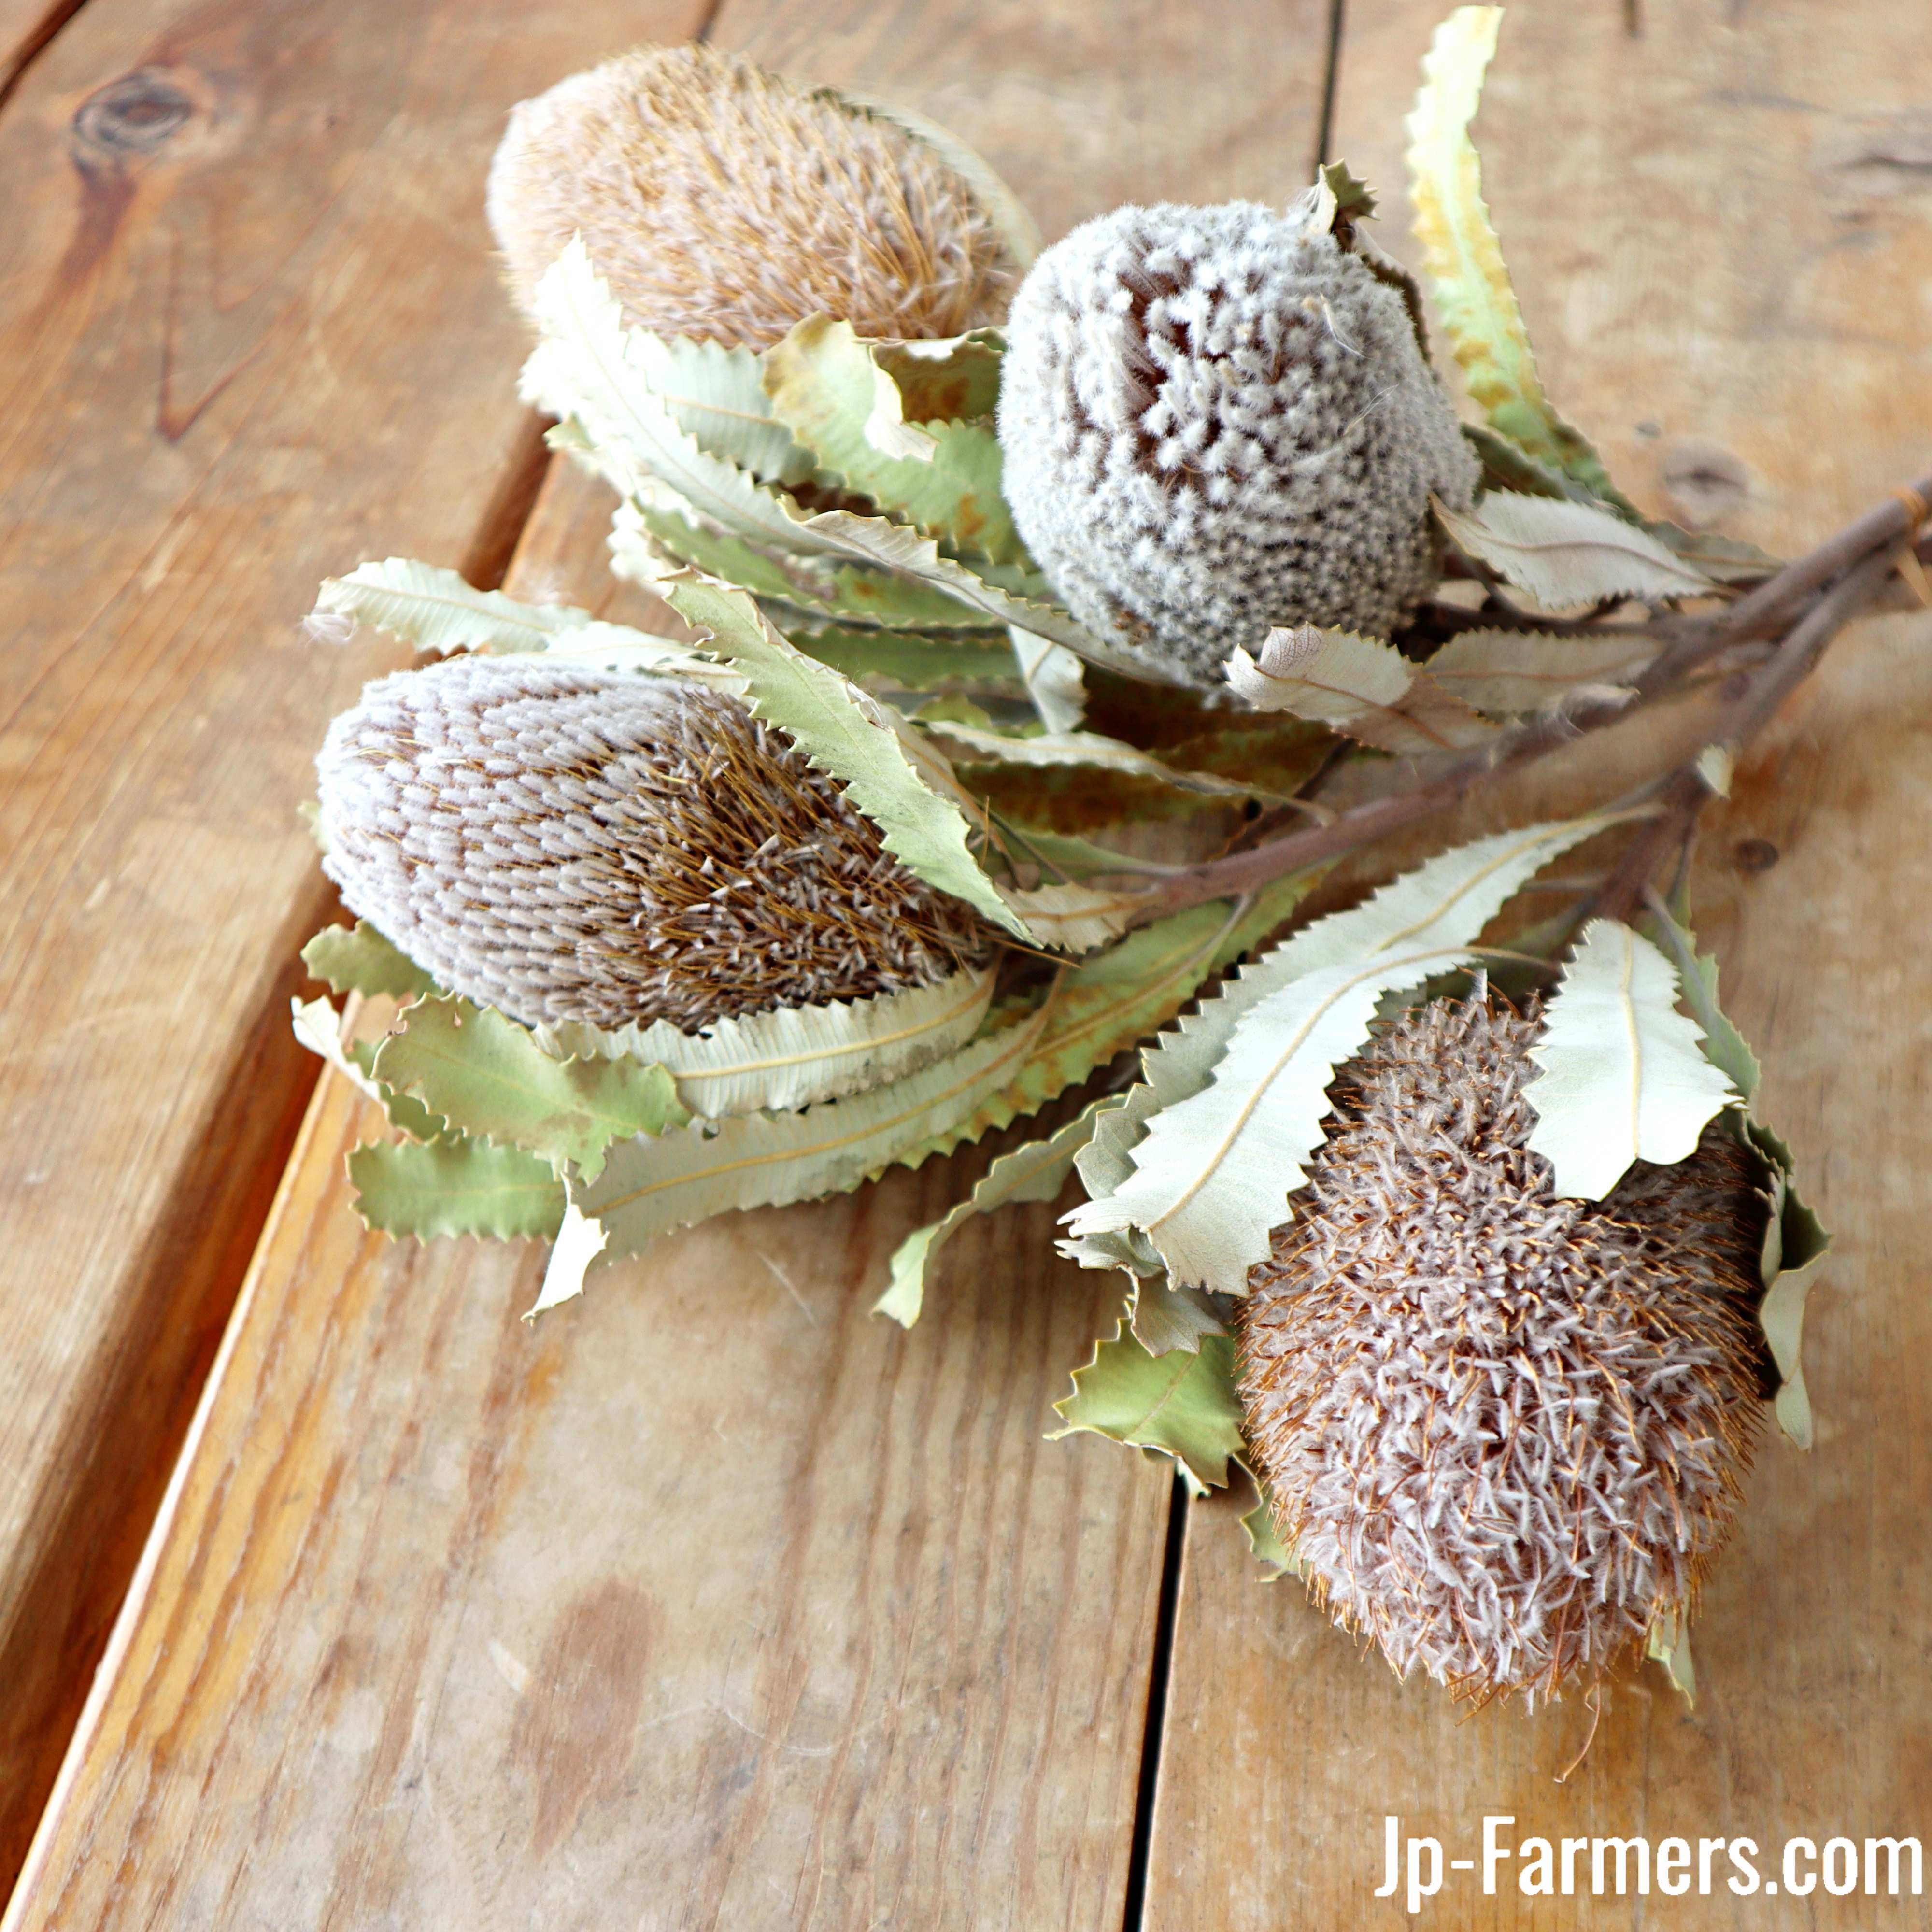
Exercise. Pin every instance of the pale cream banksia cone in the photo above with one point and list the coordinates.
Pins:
(720, 201)
(1218, 420)
(571, 843)
(1501, 1430)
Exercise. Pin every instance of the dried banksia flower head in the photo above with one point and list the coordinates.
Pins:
(566, 843)
(721, 202)
(1502, 1430)
(1217, 420)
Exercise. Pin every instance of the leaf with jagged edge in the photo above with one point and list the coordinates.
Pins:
(791, 1056)
(454, 1185)
(484, 1074)
(1464, 260)
(1085, 748)
(1265, 1543)
(1103, 1006)
(1358, 684)
(318, 1026)
(359, 959)
(717, 395)
(649, 1187)
(889, 772)
(975, 665)
(1562, 555)
(1035, 1172)
(1164, 1318)
(827, 385)
(1185, 1405)
(1214, 1170)
(1056, 681)
(1624, 1075)
(1504, 673)
(1794, 1239)
(654, 536)
(434, 609)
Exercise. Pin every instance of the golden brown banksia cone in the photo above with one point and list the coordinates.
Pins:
(565, 843)
(1501, 1430)
(720, 201)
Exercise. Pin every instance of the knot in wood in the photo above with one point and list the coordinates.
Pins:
(131, 117)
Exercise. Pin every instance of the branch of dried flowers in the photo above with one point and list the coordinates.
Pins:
(1844, 577)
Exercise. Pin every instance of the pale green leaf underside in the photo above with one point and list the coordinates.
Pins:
(318, 1027)
(1623, 1077)
(1184, 1405)
(359, 959)
(1213, 1170)
(1463, 259)
(1088, 748)
(1504, 673)
(1563, 555)
(717, 395)
(829, 387)
(792, 1056)
(1035, 1172)
(434, 609)
(455, 1186)
(484, 1072)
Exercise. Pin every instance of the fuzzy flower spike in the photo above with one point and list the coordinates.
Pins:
(1504, 1431)
(1217, 420)
(571, 843)
(722, 202)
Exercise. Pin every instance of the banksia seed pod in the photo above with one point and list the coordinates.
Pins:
(1217, 420)
(721, 202)
(565, 843)
(1501, 1430)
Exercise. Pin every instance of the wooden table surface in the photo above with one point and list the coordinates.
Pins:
(714, 1601)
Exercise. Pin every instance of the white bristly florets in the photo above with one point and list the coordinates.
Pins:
(721, 202)
(568, 843)
(1217, 420)
(1503, 1431)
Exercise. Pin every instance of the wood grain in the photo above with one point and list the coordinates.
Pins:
(26, 26)
(1716, 256)
(714, 1595)
(249, 335)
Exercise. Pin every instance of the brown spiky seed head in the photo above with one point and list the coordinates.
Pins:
(566, 843)
(1502, 1430)
(723, 203)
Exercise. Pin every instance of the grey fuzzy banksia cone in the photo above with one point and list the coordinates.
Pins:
(565, 843)
(720, 201)
(1217, 420)
(1503, 1431)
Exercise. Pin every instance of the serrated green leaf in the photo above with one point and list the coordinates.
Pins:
(1087, 748)
(970, 665)
(1184, 1405)
(945, 379)
(759, 1160)
(1362, 685)
(716, 393)
(1035, 1172)
(1215, 1167)
(1164, 1318)
(829, 386)
(359, 959)
(656, 535)
(900, 783)
(1566, 554)
(435, 609)
(1724, 1046)
(1464, 260)
(1624, 1077)
(455, 1186)
(791, 1056)
(485, 1074)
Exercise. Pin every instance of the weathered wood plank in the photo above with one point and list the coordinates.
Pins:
(715, 1595)
(249, 332)
(1725, 275)
(26, 26)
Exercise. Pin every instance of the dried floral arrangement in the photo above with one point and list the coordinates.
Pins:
(1041, 605)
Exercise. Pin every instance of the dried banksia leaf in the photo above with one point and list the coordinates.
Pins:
(1503, 1431)
(1218, 420)
(565, 843)
(725, 203)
